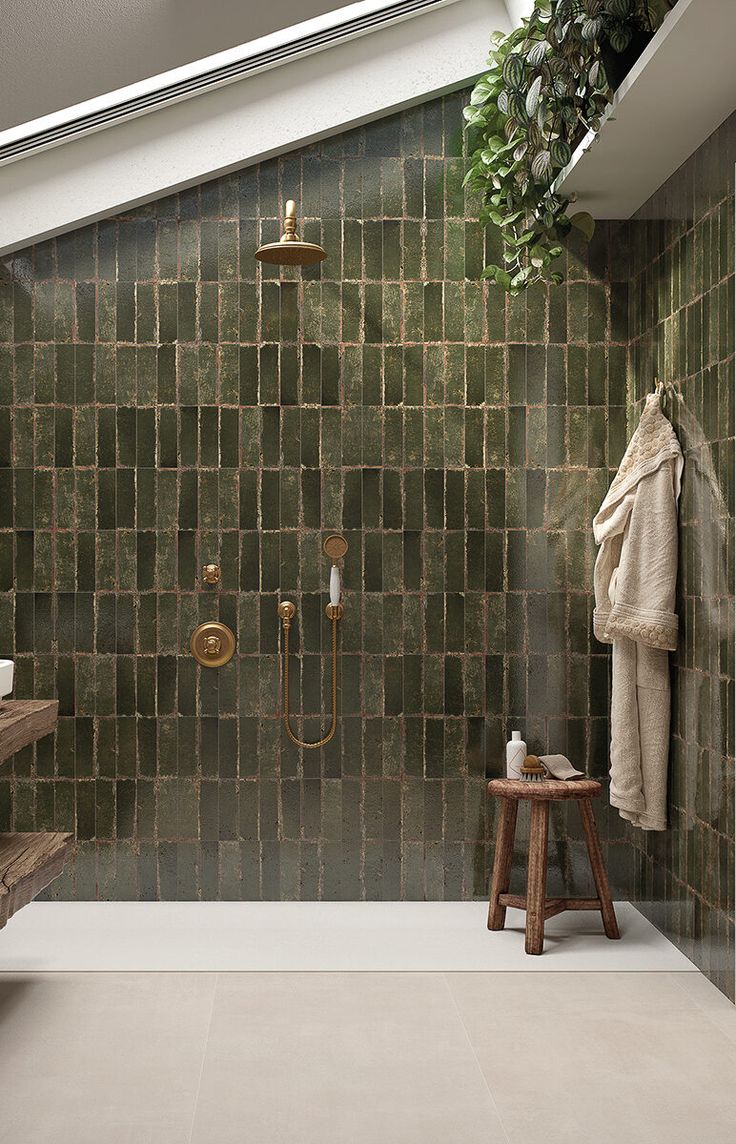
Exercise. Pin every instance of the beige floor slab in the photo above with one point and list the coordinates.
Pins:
(93, 1057)
(704, 994)
(406, 1058)
(322, 1058)
(530, 993)
(607, 1057)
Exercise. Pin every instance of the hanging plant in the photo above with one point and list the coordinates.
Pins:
(546, 88)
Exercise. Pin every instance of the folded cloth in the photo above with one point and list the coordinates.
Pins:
(560, 767)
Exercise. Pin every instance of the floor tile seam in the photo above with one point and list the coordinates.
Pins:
(478, 1065)
(205, 1046)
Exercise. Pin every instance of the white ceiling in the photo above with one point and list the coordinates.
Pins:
(55, 53)
(134, 159)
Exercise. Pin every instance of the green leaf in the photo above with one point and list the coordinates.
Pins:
(513, 71)
(619, 38)
(537, 52)
(532, 97)
(541, 165)
(619, 7)
(560, 152)
(584, 222)
(517, 108)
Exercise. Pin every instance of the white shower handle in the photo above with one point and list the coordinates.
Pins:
(335, 587)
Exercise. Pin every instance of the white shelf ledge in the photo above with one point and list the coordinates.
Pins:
(679, 91)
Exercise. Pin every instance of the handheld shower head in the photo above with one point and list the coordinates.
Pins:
(290, 250)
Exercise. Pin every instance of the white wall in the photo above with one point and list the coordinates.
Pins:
(518, 9)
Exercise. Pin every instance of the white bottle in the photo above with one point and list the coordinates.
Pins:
(515, 755)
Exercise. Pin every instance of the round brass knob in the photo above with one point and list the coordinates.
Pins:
(212, 644)
(211, 574)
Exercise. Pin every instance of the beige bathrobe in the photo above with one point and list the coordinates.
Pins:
(634, 580)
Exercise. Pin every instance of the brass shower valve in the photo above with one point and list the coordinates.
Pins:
(212, 644)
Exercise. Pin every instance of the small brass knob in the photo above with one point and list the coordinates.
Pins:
(211, 574)
(212, 644)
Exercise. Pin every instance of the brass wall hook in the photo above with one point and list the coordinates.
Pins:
(211, 574)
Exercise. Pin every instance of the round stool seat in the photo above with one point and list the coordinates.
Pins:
(553, 789)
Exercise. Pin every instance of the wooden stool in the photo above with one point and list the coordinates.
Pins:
(539, 907)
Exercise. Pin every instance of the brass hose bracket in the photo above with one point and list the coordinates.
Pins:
(335, 546)
(287, 611)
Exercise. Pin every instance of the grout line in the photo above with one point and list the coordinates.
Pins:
(204, 1056)
(475, 1058)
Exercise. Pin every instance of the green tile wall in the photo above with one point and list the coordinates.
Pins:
(164, 402)
(681, 265)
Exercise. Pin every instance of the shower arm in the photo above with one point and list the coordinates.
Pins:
(335, 547)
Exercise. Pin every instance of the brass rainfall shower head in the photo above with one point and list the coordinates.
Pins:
(290, 250)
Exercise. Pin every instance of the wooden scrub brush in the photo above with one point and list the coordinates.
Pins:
(532, 770)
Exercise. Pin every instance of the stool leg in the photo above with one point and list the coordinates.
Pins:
(536, 890)
(502, 861)
(600, 876)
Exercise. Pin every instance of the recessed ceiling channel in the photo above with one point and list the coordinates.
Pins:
(207, 75)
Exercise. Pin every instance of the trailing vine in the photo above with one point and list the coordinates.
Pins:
(545, 89)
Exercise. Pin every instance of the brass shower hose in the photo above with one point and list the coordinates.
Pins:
(334, 613)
